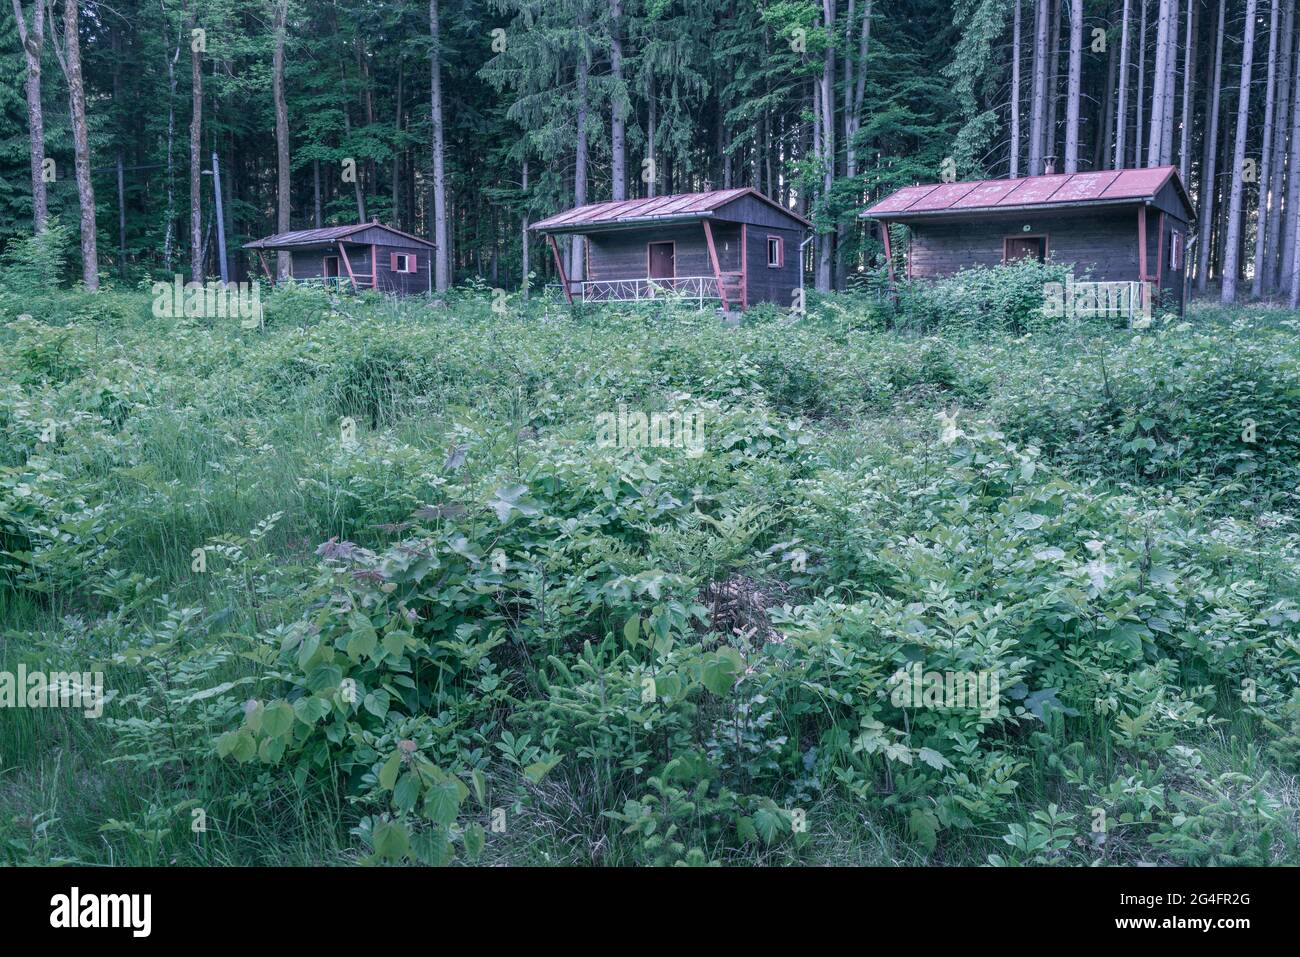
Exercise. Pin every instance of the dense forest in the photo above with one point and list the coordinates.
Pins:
(462, 120)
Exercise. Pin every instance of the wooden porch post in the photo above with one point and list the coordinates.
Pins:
(265, 269)
(559, 265)
(1143, 290)
(713, 258)
(347, 262)
(744, 266)
(889, 253)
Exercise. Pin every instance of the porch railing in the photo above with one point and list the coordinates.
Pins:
(699, 288)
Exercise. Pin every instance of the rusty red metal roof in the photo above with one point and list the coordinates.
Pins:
(651, 209)
(1058, 189)
(324, 236)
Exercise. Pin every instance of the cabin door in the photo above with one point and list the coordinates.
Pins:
(662, 265)
(331, 267)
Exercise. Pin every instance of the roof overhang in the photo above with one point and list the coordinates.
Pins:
(966, 212)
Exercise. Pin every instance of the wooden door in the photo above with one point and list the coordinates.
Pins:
(662, 265)
(331, 267)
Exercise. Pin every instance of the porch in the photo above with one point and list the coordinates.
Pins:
(722, 289)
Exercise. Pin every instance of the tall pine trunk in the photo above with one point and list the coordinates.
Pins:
(1139, 103)
(1281, 123)
(1232, 252)
(196, 151)
(1013, 149)
(826, 103)
(1073, 88)
(1038, 95)
(71, 63)
(618, 118)
(1206, 190)
(33, 40)
(1159, 85)
(1053, 90)
(441, 235)
(283, 259)
(1189, 76)
(1121, 108)
(1266, 159)
(577, 261)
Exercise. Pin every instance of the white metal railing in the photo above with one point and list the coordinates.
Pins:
(336, 282)
(699, 288)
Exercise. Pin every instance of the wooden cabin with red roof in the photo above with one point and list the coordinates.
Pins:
(361, 256)
(735, 247)
(1127, 225)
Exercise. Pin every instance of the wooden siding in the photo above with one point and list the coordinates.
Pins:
(310, 264)
(767, 283)
(622, 254)
(752, 210)
(1101, 244)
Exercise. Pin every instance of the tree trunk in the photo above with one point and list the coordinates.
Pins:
(80, 143)
(33, 41)
(1104, 144)
(1171, 84)
(577, 261)
(1232, 251)
(652, 170)
(1013, 150)
(1121, 109)
(524, 267)
(1206, 190)
(1288, 278)
(169, 231)
(1073, 87)
(1050, 156)
(196, 153)
(398, 154)
(1038, 108)
(441, 235)
(1159, 77)
(618, 117)
(825, 240)
(1189, 76)
(283, 259)
(1266, 159)
(1141, 86)
(1280, 125)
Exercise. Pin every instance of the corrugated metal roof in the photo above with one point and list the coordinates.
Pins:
(324, 235)
(1104, 186)
(633, 211)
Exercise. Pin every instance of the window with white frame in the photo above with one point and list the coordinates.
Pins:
(775, 252)
(404, 262)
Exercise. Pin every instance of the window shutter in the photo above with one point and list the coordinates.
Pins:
(392, 262)
(412, 263)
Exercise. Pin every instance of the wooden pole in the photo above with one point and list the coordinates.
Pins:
(889, 255)
(262, 260)
(744, 266)
(559, 265)
(713, 258)
(347, 262)
(374, 267)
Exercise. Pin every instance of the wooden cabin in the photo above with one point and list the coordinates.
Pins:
(735, 247)
(362, 256)
(1126, 225)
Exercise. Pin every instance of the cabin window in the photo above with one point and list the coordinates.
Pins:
(403, 262)
(1176, 251)
(775, 252)
(1024, 247)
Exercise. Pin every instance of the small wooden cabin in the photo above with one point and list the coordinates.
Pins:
(1127, 225)
(732, 246)
(362, 256)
